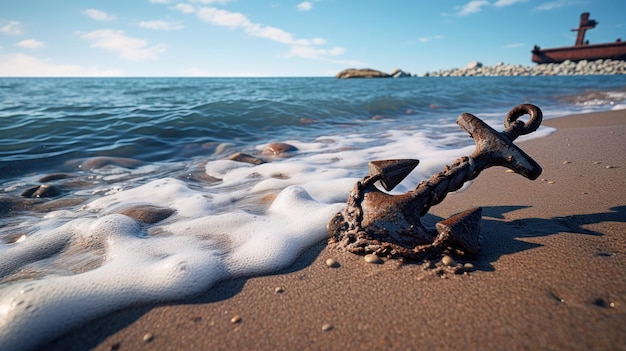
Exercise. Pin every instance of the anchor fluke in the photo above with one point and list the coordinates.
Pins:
(392, 172)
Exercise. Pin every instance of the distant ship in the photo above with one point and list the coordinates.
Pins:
(582, 50)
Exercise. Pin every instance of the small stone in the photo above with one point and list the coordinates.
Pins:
(327, 327)
(279, 290)
(279, 148)
(371, 258)
(597, 162)
(566, 162)
(468, 267)
(148, 337)
(509, 171)
(550, 181)
(242, 157)
(609, 167)
(236, 319)
(332, 263)
(448, 261)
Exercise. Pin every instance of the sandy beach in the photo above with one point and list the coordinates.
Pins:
(551, 274)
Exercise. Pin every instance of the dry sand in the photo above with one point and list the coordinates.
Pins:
(551, 274)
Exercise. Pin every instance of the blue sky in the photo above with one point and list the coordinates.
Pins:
(284, 38)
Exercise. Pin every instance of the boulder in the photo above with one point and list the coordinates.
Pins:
(474, 64)
(398, 73)
(361, 73)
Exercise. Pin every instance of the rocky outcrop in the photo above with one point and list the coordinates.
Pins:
(584, 67)
(361, 73)
(398, 73)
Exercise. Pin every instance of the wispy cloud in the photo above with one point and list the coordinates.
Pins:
(551, 5)
(514, 45)
(98, 15)
(128, 48)
(503, 3)
(471, 7)
(160, 1)
(30, 44)
(305, 6)
(21, 65)
(306, 48)
(428, 39)
(208, 2)
(11, 28)
(160, 25)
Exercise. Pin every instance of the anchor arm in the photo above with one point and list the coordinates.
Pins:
(497, 149)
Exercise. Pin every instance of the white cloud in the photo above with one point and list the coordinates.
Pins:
(30, 44)
(428, 39)
(307, 48)
(305, 6)
(502, 3)
(185, 8)
(160, 25)
(98, 15)
(128, 48)
(160, 1)
(210, 1)
(473, 6)
(312, 52)
(224, 18)
(11, 28)
(514, 45)
(21, 65)
(551, 5)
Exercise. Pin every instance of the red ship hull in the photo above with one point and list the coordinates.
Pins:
(614, 51)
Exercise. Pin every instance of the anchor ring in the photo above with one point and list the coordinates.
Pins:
(514, 128)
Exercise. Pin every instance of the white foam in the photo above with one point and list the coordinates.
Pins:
(218, 231)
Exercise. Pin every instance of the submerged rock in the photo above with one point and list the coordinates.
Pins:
(149, 214)
(55, 176)
(43, 190)
(242, 157)
(12, 204)
(279, 148)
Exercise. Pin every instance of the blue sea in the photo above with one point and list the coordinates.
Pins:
(76, 155)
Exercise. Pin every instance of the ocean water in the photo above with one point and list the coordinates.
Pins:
(110, 145)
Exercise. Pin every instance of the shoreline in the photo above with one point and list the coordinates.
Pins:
(550, 274)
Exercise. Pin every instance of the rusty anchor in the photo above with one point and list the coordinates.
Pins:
(389, 225)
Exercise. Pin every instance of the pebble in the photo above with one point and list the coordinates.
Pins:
(148, 337)
(236, 319)
(468, 267)
(327, 327)
(43, 190)
(332, 263)
(371, 258)
(279, 290)
(609, 167)
(550, 181)
(566, 162)
(241, 157)
(448, 261)
(279, 148)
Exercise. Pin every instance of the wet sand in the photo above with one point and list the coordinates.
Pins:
(551, 274)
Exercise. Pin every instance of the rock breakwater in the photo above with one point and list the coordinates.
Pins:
(584, 67)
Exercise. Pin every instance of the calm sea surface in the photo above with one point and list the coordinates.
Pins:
(78, 155)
